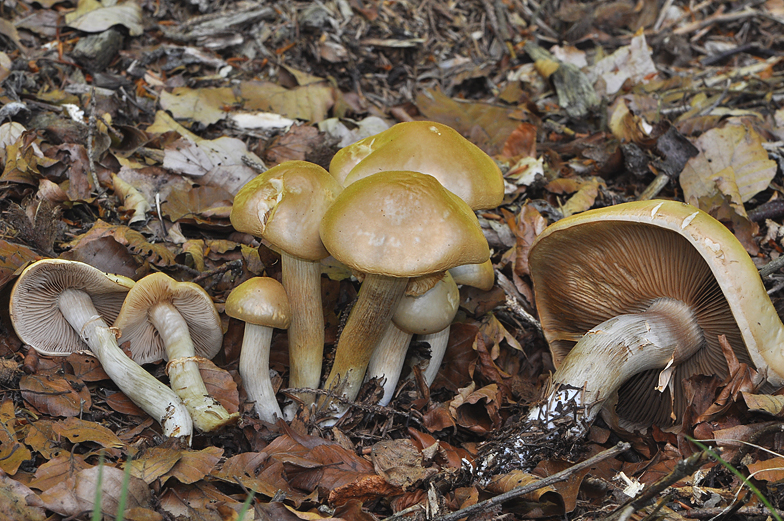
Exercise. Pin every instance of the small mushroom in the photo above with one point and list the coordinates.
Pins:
(428, 315)
(429, 148)
(284, 205)
(60, 306)
(632, 299)
(391, 226)
(177, 321)
(480, 276)
(262, 304)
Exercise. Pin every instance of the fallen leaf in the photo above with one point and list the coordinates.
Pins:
(309, 103)
(14, 504)
(80, 431)
(631, 62)
(154, 463)
(93, 17)
(194, 465)
(56, 395)
(206, 105)
(398, 462)
(769, 470)
(58, 470)
(12, 453)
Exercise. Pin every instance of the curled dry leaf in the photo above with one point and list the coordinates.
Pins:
(56, 395)
(12, 452)
(76, 494)
(80, 431)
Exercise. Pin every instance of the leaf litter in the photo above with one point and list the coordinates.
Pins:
(199, 97)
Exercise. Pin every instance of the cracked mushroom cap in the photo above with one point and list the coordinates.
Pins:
(261, 301)
(284, 205)
(612, 261)
(35, 309)
(191, 301)
(402, 224)
(430, 148)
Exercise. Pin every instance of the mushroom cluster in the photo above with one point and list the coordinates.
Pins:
(633, 299)
(397, 209)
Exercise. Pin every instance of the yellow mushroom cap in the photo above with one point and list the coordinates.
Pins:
(429, 148)
(284, 205)
(593, 266)
(261, 301)
(402, 224)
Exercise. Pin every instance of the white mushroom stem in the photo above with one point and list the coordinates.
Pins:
(615, 350)
(302, 281)
(438, 344)
(254, 369)
(183, 368)
(378, 298)
(608, 355)
(152, 396)
(388, 359)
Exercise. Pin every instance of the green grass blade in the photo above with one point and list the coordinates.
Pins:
(245, 506)
(124, 491)
(740, 476)
(97, 514)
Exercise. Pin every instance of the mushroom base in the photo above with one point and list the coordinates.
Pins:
(608, 355)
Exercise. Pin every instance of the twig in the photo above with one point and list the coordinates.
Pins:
(701, 513)
(682, 469)
(513, 300)
(217, 271)
(772, 267)
(91, 125)
(374, 409)
(404, 513)
(527, 489)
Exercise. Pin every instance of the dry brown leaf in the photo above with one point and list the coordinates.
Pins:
(106, 254)
(765, 403)
(526, 225)
(220, 385)
(80, 431)
(258, 472)
(309, 103)
(194, 465)
(55, 395)
(365, 488)
(121, 403)
(586, 191)
(16, 501)
(12, 257)
(12, 452)
(77, 494)
(398, 462)
(769, 470)
(207, 105)
(133, 240)
(86, 367)
(202, 204)
(478, 410)
(154, 463)
(438, 418)
(42, 439)
(58, 470)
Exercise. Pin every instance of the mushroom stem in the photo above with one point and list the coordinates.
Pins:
(183, 369)
(302, 280)
(377, 300)
(254, 369)
(386, 362)
(666, 333)
(438, 344)
(141, 387)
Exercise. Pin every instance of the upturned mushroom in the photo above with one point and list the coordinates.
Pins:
(429, 148)
(632, 299)
(262, 304)
(162, 318)
(60, 306)
(428, 315)
(391, 226)
(284, 205)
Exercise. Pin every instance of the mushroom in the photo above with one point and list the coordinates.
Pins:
(428, 315)
(284, 205)
(429, 148)
(262, 304)
(391, 226)
(60, 306)
(480, 276)
(177, 321)
(632, 299)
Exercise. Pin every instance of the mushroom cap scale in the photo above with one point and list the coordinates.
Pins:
(429, 148)
(191, 301)
(603, 263)
(285, 205)
(34, 305)
(402, 224)
(261, 301)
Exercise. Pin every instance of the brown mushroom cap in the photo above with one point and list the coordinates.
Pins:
(481, 276)
(35, 309)
(613, 261)
(192, 302)
(261, 301)
(402, 224)
(430, 148)
(285, 205)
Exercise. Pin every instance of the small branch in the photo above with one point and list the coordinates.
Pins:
(531, 487)
(217, 271)
(91, 126)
